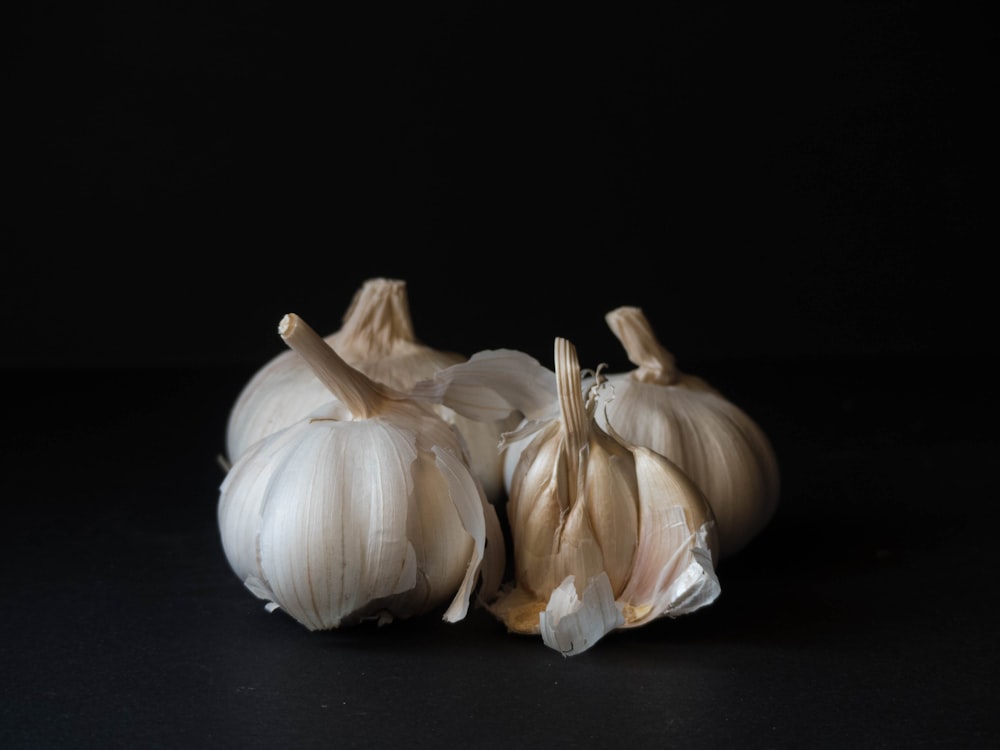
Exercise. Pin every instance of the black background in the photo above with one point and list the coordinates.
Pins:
(796, 197)
(773, 181)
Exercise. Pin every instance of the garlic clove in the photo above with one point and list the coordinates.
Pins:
(684, 418)
(673, 571)
(365, 509)
(377, 338)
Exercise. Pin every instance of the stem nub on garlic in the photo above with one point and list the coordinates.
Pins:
(685, 419)
(377, 338)
(365, 509)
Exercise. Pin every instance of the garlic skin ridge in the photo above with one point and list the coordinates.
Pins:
(366, 509)
(606, 535)
(376, 337)
(684, 418)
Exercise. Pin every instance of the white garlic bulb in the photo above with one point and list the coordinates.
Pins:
(364, 509)
(606, 535)
(377, 338)
(685, 419)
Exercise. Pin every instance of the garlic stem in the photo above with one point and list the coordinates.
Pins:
(379, 315)
(359, 393)
(574, 416)
(656, 364)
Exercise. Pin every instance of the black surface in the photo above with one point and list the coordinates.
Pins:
(863, 616)
(801, 199)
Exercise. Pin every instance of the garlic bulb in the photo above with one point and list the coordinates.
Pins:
(606, 535)
(685, 419)
(363, 509)
(588, 508)
(377, 338)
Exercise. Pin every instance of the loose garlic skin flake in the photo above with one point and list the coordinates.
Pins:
(377, 338)
(365, 509)
(685, 419)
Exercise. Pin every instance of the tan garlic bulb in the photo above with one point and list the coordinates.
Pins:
(685, 419)
(377, 338)
(591, 514)
(365, 509)
(606, 535)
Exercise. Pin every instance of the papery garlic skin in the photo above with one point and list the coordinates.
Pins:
(377, 338)
(570, 623)
(685, 419)
(366, 509)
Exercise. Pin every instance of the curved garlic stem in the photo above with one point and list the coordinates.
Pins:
(656, 364)
(359, 393)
